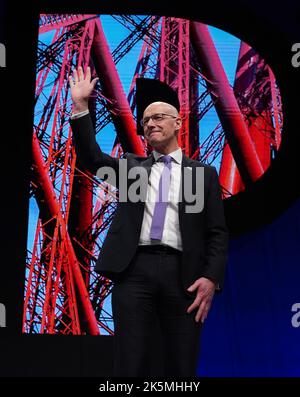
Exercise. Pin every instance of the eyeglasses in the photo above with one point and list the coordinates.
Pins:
(156, 118)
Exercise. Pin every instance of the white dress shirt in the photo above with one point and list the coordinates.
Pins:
(171, 232)
(80, 114)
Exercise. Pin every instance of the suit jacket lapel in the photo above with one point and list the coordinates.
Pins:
(186, 162)
(147, 163)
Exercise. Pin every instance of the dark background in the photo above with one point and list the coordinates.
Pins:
(248, 332)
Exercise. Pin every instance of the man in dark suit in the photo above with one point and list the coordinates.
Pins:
(165, 259)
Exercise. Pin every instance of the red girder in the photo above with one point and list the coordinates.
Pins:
(229, 175)
(57, 21)
(112, 88)
(54, 211)
(253, 90)
(277, 108)
(236, 131)
(175, 68)
(80, 219)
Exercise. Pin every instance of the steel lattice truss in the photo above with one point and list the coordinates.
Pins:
(63, 293)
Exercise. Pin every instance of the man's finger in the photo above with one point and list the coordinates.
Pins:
(94, 81)
(195, 304)
(80, 73)
(205, 313)
(192, 287)
(75, 75)
(88, 74)
(71, 81)
(200, 311)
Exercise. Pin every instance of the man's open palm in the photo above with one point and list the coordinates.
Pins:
(81, 85)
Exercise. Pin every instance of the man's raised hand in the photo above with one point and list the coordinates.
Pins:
(81, 88)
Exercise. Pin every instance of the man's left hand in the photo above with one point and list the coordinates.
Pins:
(205, 292)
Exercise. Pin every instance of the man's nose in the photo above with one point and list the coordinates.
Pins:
(151, 123)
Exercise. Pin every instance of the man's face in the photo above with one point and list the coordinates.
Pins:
(162, 130)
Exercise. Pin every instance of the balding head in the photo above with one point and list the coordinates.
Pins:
(161, 107)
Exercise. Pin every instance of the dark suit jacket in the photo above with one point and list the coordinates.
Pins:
(204, 235)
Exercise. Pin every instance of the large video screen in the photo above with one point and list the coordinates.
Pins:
(232, 119)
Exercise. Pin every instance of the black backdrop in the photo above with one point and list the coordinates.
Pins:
(271, 29)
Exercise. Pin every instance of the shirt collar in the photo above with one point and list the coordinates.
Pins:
(176, 155)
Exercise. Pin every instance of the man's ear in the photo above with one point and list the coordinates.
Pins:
(178, 123)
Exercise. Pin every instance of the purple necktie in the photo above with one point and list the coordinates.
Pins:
(161, 203)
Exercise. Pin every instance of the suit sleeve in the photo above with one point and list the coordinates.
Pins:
(216, 234)
(87, 149)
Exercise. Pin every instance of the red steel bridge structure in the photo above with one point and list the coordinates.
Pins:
(63, 294)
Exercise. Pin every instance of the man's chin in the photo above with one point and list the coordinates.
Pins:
(154, 142)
